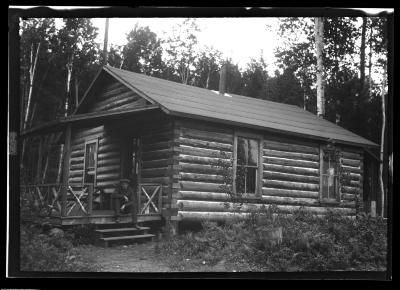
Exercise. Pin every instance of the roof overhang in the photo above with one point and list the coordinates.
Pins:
(92, 118)
(261, 128)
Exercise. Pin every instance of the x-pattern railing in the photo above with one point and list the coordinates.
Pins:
(150, 198)
(46, 197)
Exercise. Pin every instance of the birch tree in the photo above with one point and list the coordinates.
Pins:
(319, 45)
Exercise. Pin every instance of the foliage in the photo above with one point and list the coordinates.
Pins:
(310, 243)
(81, 234)
(46, 252)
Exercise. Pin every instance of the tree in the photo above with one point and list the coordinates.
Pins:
(255, 79)
(206, 73)
(142, 53)
(319, 45)
(180, 47)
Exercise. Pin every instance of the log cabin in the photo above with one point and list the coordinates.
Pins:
(173, 141)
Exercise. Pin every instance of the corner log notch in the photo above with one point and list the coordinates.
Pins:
(65, 175)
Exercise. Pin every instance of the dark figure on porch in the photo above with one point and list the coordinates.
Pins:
(124, 201)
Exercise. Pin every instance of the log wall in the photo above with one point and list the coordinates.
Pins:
(108, 157)
(114, 95)
(291, 174)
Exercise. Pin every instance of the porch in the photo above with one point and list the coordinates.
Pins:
(86, 204)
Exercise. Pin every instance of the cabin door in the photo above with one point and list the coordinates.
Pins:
(130, 160)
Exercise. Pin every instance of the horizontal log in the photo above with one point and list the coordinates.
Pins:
(76, 160)
(108, 162)
(348, 196)
(77, 153)
(207, 136)
(82, 140)
(268, 144)
(78, 147)
(157, 137)
(79, 133)
(216, 196)
(200, 186)
(109, 183)
(290, 177)
(156, 163)
(291, 169)
(290, 185)
(348, 189)
(127, 94)
(107, 140)
(118, 89)
(201, 177)
(352, 183)
(215, 206)
(351, 155)
(108, 176)
(199, 168)
(186, 150)
(155, 172)
(352, 169)
(77, 179)
(291, 162)
(289, 193)
(157, 154)
(203, 195)
(203, 160)
(159, 180)
(291, 155)
(76, 173)
(156, 146)
(78, 166)
(210, 206)
(352, 163)
(108, 168)
(205, 144)
(133, 101)
(202, 126)
(210, 216)
(108, 155)
(109, 148)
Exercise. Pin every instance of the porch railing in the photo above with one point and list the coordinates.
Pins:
(150, 198)
(46, 199)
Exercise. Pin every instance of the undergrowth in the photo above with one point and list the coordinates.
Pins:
(309, 243)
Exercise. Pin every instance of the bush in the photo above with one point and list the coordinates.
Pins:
(81, 234)
(46, 252)
(310, 243)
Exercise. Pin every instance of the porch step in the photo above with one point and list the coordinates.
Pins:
(107, 240)
(122, 230)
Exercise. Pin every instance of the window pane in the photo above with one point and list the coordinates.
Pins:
(253, 152)
(90, 155)
(251, 180)
(240, 179)
(325, 189)
(242, 151)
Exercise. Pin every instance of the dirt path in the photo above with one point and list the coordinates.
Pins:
(129, 258)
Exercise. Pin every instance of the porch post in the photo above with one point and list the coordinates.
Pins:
(65, 172)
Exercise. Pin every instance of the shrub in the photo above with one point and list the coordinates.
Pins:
(81, 234)
(310, 243)
(42, 252)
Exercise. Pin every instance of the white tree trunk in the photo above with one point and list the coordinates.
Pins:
(319, 45)
(383, 142)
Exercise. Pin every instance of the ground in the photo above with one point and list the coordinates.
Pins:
(141, 258)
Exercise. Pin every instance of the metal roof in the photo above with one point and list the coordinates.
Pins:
(185, 100)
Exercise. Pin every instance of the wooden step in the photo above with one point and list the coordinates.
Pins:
(125, 238)
(112, 230)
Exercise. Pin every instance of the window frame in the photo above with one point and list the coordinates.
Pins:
(88, 142)
(259, 175)
(337, 198)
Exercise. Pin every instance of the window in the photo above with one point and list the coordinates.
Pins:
(90, 162)
(329, 176)
(247, 166)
